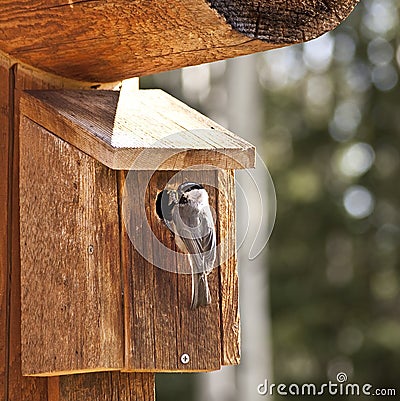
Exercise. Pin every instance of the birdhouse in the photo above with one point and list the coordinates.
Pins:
(103, 285)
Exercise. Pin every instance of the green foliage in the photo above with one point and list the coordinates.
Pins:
(172, 387)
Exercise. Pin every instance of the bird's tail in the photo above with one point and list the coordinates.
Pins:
(200, 291)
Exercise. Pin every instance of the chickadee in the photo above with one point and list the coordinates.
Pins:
(187, 214)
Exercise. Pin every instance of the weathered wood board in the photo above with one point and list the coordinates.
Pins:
(140, 130)
(165, 312)
(102, 386)
(139, 37)
(71, 287)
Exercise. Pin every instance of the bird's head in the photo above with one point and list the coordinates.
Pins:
(193, 194)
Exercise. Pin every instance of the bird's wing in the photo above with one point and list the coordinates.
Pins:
(208, 241)
(198, 235)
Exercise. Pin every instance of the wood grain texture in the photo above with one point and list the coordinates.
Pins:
(230, 318)
(96, 40)
(162, 324)
(18, 388)
(139, 312)
(23, 77)
(140, 130)
(104, 386)
(283, 21)
(4, 222)
(70, 267)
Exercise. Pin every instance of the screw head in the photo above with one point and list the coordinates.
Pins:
(90, 249)
(185, 358)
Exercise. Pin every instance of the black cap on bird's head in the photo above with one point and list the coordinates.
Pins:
(188, 186)
(185, 188)
(167, 199)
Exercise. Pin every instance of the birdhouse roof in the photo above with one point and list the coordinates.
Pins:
(137, 129)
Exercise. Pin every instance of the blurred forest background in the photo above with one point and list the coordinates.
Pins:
(327, 118)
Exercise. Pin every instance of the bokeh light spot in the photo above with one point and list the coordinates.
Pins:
(358, 201)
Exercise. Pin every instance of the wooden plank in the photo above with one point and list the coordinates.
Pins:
(137, 37)
(140, 130)
(70, 269)
(230, 318)
(18, 387)
(4, 223)
(104, 386)
(166, 294)
(162, 324)
(199, 330)
(138, 277)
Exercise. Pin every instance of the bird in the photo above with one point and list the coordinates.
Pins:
(187, 214)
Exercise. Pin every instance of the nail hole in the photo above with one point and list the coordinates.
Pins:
(185, 358)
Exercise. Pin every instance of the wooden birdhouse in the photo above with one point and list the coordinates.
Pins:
(90, 277)
(101, 288)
